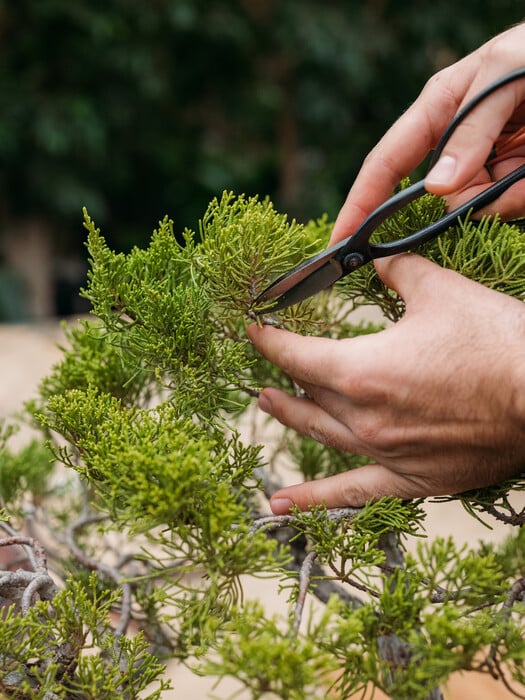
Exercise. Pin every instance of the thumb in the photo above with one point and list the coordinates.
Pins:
(409, 275)
(466, 152)
(353, 488)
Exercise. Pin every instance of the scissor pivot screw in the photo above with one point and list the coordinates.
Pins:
(352, 261)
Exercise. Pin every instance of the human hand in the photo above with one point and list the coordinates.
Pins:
(460, 172)
(436, 400)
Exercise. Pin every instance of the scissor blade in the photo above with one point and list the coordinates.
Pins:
(306, 280)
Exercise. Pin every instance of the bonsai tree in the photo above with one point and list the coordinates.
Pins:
(137, 514)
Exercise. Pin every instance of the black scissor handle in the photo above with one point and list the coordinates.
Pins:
(381, 250)
(359, 242)
(474, 102)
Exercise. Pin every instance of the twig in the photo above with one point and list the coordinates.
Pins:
(39, 558)
(304, 583)
(438, 594)
(271, 522)
(21, 584)
(513, 518)
(491, 662)
(254, 393)
(277, 527)
(352, 582)
(105, 569)
(494, 669)
(27, 548)
(41, 583)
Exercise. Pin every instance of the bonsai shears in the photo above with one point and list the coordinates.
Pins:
(326, 268)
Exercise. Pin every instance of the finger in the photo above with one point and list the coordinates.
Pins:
(509, 205)
(401, 149)
(306, 417)
(471, 143)
(323, 362)
(353, 488)
(382, 170)
(413, 277)
(337, 405)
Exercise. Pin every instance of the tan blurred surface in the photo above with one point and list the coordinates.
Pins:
(27, 353)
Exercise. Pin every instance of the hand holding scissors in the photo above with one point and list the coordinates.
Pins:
(353, 252)
(460, 172)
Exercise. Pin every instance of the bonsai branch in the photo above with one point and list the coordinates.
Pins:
(21, 586)
(304, 584)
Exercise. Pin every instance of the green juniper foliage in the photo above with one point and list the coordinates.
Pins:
(23, 470)
(42, 654)
(149, 410)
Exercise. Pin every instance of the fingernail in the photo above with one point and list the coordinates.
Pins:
(281, 506)
(264, 403)
(442, 172)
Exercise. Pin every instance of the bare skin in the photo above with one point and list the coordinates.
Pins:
(437, 401)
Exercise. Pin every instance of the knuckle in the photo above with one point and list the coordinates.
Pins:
(353, 494)
(367, 429)
(500, 51)
(435, 81)
(440, 85)
(385, 163)
(366, 386)
(316, 434)
(375, 433)
(310, 497)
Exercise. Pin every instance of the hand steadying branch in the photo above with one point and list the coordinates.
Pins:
(435, 400)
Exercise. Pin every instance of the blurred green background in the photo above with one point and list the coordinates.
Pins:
(140, 108)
